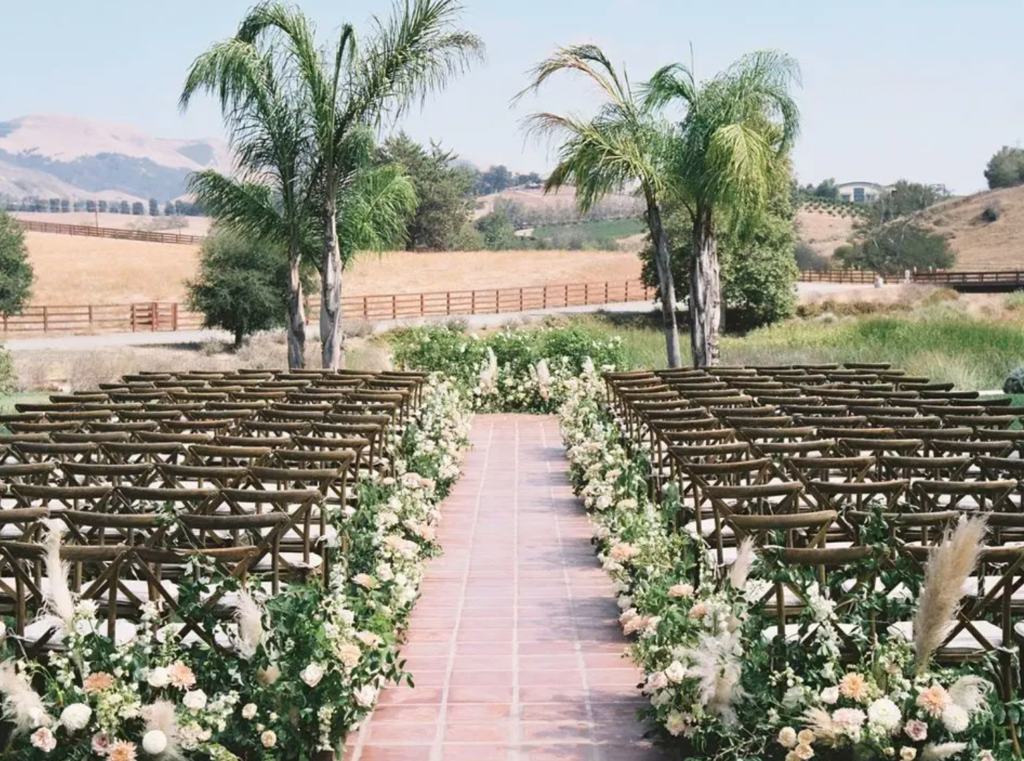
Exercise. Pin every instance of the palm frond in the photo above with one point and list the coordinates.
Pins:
(589, 60)
(375, 210)
(246, 207)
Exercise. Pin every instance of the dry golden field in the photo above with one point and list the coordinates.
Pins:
(982, 245)
(77, 270)
(823, 232)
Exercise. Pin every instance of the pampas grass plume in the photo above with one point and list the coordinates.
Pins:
(250, 624)
(22, 705)
(740, 569)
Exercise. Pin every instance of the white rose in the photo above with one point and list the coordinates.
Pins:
(365, 696)
(249, 711)
(159, 677)
(830, 695)
(787, 737)
(194, 700)
(154, 742)
(269, 739)
(75, 717)
(312, 674)
(675, 672)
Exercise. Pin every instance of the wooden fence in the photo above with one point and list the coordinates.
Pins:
(857, 277)
(163, 316)
(89, 231)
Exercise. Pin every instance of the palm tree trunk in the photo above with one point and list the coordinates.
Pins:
(330, 290)
(296, 314)
(705, 295)
(666, 283)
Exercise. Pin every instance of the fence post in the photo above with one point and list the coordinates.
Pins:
(447, 302)
(133, 316)
(366, 308)
(544, 298)
(586, 294)
(154, 316)
(423, 309)
(605, 291)
(394, 306)
(174, 316)
(472, 302)
(46, 320)
(520, 298)
(566, 299)
(90, 318)
(497, 300)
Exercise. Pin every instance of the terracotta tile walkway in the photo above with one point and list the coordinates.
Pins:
(514, 645)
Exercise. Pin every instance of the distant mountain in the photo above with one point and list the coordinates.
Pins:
(72, 157)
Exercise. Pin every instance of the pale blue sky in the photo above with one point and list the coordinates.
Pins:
(923, 89)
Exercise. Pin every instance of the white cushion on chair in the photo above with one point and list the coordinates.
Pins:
(964, 643)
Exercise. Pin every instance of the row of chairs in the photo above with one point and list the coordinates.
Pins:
(253, 473)
(813, 462)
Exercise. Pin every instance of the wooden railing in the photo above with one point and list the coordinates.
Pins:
(146, 236)
(859, 277)
(163, 316)
(980, 281)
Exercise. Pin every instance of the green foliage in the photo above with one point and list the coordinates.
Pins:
(443, 192)
(826, 189)
(16, 275)
(600, 235)
(993, 211)
(498, 231)
(894, 248)
(807, 259)
(242, 285)
(759, 271)
(515, 386)
(1014, 382)
(8, 373)
(1006, 168)
(904, 199)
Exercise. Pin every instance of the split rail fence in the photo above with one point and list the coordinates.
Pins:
(163, 316)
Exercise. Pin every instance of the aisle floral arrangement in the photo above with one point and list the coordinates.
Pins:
(510, 370)
(722, 684)
(302, 667)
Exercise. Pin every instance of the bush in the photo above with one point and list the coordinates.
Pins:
(16, 273)
(1015, 382)
(8, 378)
(1014, 302)
(809, 260)
(893, 248)
(993, 211)
(242, 285)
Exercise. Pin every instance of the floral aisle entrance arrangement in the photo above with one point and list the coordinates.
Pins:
(261, 676)
(721, 681)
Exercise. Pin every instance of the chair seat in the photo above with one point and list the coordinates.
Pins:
(964, 643)
(792, 631)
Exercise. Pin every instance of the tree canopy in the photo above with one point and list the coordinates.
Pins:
(1006, 168)
(16, 275)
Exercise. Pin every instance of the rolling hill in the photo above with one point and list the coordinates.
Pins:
(978, 243)
(72, 157)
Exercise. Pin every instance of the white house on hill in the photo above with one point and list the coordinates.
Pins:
(861, 192)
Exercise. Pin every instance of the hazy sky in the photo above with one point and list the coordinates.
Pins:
(926, 90)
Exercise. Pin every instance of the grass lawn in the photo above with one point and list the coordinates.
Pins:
(597, 234)
(940, 342)
(8, 401)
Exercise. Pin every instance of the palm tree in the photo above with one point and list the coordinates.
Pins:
(269, 199)
(348, 88)
(620, 148)
(727, 151)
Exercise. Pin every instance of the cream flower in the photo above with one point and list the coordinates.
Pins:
(249, 711)
(933, 700)
(195, 701)
(154, 742)
(365, 580)
(365, 696)
(916, 730)
(98, 682)
(675, 672)
(268, 739)
(830, 696)
(805, 737)
(803, 752)
(675, 723)
(787, 737)
(312, 674)
(76, 717)
(349, 655)
(44, 739)
(657, 681)
(955, 719)
(122, 750)
(158, 677)
(181, 676)
(854, 686)
(907, 753)
(885, 714)
(681, 590)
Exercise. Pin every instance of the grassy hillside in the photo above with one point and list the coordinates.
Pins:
(978, 243)
(72, 270)
(601, 234)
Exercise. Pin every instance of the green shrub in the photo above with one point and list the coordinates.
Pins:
(16, 273)
(1015, 382)
(993, 211)
(1014, 302)
(8, 377)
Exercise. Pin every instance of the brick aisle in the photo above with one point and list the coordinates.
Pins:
(514, 645)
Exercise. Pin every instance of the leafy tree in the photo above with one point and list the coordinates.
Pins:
(125, 208)
(826, 189)
(169, 210)
(242, 285)
(726, 155)
(138, 209)
(346, 88)
(65, 206)
(55, 205)
(619, 148)
(499, 234)
(807, 259)
(1006, 168)
(905, 198)
(891, 249)
(443, 192)
(90, 206)
(494, 180)
(16, 273)
(154, 207)
(759, 269)
(103, 207)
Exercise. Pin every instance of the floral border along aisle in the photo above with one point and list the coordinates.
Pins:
(720, 687)
(301, 668)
